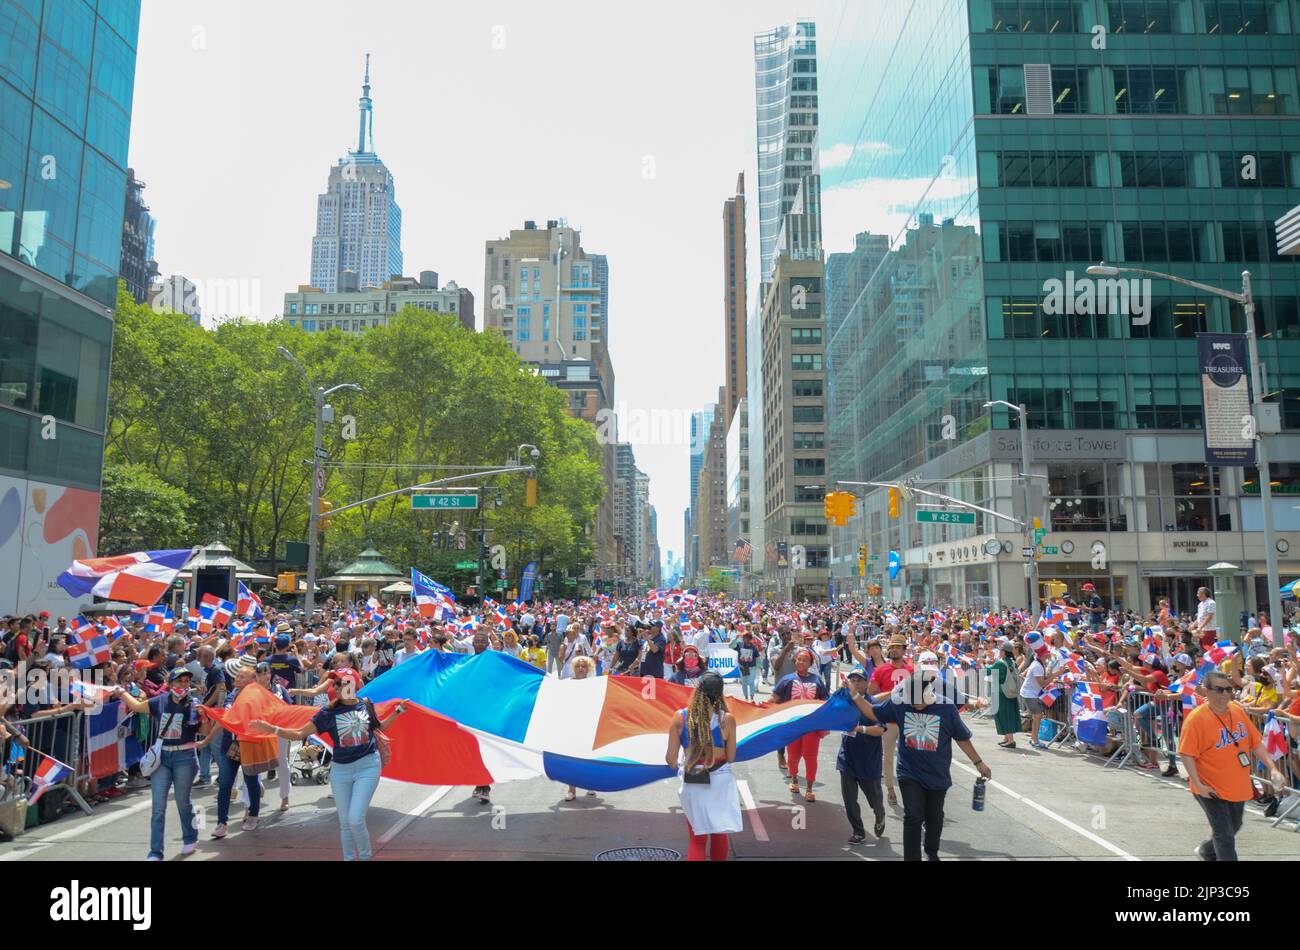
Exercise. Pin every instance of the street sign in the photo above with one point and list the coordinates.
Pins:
(426, 502)
(1039, 534)
(320, 479)
(322, 454)
(1051, 550)
(1027, 552)
(945, 517)
(467, 565)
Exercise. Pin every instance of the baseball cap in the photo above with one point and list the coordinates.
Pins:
(856, 674)
(1088, 587)
(282, 640)
(346, 673)
(928, 662)
(178, 673)
(1183, 659)
(1033, 639)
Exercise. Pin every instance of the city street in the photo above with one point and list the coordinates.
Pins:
(1040, 806)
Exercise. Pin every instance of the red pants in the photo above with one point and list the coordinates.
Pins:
(804, 747)
(715, 845)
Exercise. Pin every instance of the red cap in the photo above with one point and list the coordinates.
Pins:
(44, 615)
(1088, 587)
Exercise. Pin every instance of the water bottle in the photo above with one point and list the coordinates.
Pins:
(977, 802)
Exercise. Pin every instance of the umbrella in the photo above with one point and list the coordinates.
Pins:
(1291, 590)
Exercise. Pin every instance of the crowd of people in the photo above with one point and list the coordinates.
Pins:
(914, 673)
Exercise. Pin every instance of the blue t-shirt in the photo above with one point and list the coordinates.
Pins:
(862, 756)
(925, 740)
(653, 663)
(794, 686)
(350, 730)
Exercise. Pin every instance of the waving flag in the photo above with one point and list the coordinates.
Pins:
(431, 598)
(485, 719)
(139, 578)
(1220, 652)
(1088, 696)
(215, 610)
(1050, 696)
(87, 647)
(248, 604)
(374, 611)
(1274, 737)
(49, 773)
(1186, 688)
(112, 628)
(158, 620)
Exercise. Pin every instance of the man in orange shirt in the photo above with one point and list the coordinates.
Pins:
(1217, 741)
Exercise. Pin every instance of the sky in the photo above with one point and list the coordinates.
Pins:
(629, 121)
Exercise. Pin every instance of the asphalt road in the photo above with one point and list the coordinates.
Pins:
(1054, 805)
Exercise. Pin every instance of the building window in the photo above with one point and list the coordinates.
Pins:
(806, 362)
(803, 414)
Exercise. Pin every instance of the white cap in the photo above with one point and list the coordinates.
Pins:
(928, 662)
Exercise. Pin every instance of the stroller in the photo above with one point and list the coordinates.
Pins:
(312, 763)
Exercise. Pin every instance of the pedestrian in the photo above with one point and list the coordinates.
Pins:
(179, 728)
(861, 766)
(572, 646)
(1206, 625)
(825, 650)
(653, 654)
(266, 679)
(748, 651)
(241, 672)
(803, 683)
(1095, 609)
(1004, 688)
(883, 680)
(1032, 685)
(1216, 744)
(928, 729)
(582, 668)
(702, 746)
(351, 724)
(629, 652)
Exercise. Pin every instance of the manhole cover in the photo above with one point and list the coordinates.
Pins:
(640, 854)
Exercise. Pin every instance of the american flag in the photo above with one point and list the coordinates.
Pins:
(740, 553)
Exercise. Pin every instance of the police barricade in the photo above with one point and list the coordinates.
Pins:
(1146, 724)
(1288, 808)
(56, 737)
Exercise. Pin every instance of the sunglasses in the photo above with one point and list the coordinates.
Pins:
(1219, 689)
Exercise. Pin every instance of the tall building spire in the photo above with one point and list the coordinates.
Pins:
(367, 118)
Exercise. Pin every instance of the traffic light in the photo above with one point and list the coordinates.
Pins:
(862, 561)
(286, 583)
(830, 507)
(1037, 524)
(323, 509)
(895, 502)
(839, 507)
(530, 493)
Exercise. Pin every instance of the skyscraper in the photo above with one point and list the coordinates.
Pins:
(786, 390)
(138, 267)
(1022, 153)
(66, 81)
(733, 299)
(358, 222)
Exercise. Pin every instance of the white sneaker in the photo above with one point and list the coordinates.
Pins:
(187, 849)
(250, 823)
(220, 830)
(153, 857)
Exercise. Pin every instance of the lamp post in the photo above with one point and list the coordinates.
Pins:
(1029, 515)
(560, 254)
(319, 394)
(1247, 300)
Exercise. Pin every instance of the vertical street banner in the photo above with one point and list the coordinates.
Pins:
(1226, 417)
(782, 554)
(526, 588)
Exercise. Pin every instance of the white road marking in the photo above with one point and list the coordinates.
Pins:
(413, 814)
(1060, 819)
(747, 799)
(857, 854)
(77, 831)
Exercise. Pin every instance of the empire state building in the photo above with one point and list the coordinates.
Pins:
(358, 222)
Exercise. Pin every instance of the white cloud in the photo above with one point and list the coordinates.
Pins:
(886, 206)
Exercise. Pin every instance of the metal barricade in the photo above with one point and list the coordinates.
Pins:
(1148, 723)
(58, 736)
(1288, 797)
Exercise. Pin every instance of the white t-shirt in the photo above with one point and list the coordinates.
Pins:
(569, 649)
(1031, 687)
(561, 623)
(826, 651)
(1208, 608)
(402, 655)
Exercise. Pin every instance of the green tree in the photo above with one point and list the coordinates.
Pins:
(140, 511)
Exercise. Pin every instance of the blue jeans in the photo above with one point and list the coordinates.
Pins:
(826, 671)
(227, 769)
(176, 769)
(353, 785)
(1145, 717)
(747, 677)
(207, 755)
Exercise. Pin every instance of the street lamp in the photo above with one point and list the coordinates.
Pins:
(1029, 518)
(1247, 300)
(318, 454)
(560, 255)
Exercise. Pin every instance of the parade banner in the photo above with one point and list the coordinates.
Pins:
(723, 661)
(530, 576)
(1227, 421)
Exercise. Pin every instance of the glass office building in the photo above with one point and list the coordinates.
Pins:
(1019, 141)
(67, 74)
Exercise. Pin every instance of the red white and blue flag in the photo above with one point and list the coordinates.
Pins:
(158, 620)
(1220, 652)
(431, 598)
(1088, 696)
(215, 610)
(248, 604)
(87, 647)
(139, 578)
(1274, 737)
(49, 773)
(374, 611)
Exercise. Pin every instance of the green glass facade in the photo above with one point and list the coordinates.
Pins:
(67, 76)
(1021, 141)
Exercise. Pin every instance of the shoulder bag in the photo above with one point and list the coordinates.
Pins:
(152, 757)
(1011, 685)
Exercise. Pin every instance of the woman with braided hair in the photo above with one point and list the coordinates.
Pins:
(702, 745)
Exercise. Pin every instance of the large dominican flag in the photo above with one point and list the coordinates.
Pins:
(141, 578)
(431, 598)
(111, 744)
